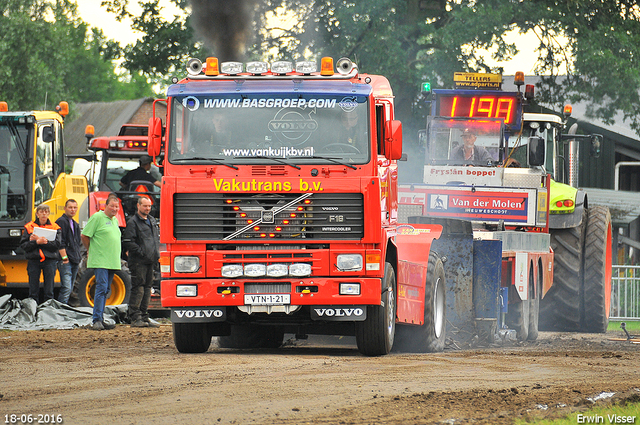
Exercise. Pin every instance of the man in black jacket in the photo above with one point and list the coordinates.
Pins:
(41, 251)
(70, 249)
(141, 240)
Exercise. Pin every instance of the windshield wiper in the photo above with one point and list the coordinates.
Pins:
(334, 160)
(202, 158)
(22, 149)
(281, 161)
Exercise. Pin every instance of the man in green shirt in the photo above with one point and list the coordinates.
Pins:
(101, 237)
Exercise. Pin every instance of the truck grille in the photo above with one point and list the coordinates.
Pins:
(256, 217)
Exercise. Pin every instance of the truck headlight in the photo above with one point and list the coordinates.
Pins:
(277, 270)
(300, 269)
(232, 270)
(186, 290)
(255, 270)
(186, 264)
(349, 262)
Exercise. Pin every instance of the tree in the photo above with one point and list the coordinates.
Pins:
(49, 55)
(415, 40)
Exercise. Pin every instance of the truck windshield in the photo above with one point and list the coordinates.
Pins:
(13, 181)
(266, 129)
(464, 142)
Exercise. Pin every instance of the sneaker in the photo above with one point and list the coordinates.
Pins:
(97, 326)
(108, 326)
(152, 323)
(139, 324)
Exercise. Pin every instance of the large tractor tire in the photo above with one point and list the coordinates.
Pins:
(597, 271)
(251, 336)
(119, 292)
(191, 337)
(560, 307)
(374, 335)
(518, 314)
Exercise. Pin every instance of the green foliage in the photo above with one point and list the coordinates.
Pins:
(49, 55)
(411, 41)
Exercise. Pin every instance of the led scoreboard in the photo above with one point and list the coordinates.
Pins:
(479, 104)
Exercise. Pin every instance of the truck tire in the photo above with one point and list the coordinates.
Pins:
(191, 337)
(430, 337)
(534, 305)
(597, 271)
(374, 335)
(560, 307)
(119, 292)
(248, 336)
(518, 315)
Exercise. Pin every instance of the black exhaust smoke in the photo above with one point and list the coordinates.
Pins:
(223, 26)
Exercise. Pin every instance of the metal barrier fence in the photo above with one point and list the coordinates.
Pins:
(625, 293)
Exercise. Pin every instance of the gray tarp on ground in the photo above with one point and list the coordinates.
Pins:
(25, 314)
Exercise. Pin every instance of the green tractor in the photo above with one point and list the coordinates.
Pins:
(580, 297)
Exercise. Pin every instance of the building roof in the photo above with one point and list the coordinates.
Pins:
(623, 205)
(106, 118)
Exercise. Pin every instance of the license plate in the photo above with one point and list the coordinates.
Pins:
(267, 299)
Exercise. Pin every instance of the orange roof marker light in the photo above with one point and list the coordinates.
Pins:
(326, 66)
(63, 108)
(518, 80)
(4, 107)
(568, 109)
(211, 68)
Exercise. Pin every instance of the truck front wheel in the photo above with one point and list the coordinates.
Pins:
(191, 337)
(119, 291)
(374, 335)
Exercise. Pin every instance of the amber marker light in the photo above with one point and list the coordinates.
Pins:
(568, 109)
(211, 68)
(63, 108)
(326, 66)
(4, 107)
(519, 78)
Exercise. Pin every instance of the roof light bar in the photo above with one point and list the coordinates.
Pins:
(257, 68)
(281, 67)
(231, 68)
(306, 67)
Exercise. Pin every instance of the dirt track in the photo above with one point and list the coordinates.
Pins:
(136, 376)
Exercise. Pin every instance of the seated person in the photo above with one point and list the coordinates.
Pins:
(140, 173)
(468, 152)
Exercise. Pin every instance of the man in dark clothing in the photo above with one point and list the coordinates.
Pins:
(468, 151)
(141, 240)
(42, 252)
(70, 249)
(140, 174)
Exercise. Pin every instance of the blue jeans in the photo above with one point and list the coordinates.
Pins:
(48, 270)
(103, 283)
(68, 272)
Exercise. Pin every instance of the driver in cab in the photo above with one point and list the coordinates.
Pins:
(468, 151)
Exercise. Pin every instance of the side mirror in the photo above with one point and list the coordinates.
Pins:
(154, 144)
(536, 151)
(47, 134)
(596, 145)
(393, 140)
(422, 137)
